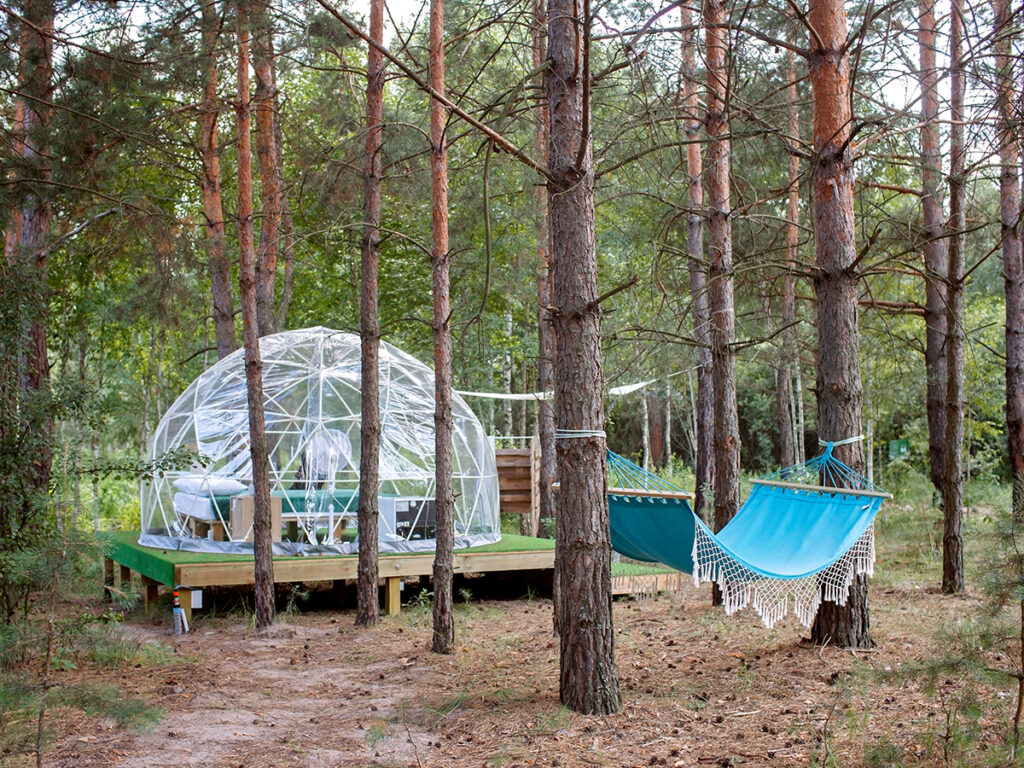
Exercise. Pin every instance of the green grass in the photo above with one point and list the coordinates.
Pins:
(158, 564)
(623, 568)
(107, 646)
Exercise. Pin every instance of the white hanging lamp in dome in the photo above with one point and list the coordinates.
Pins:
(311, 388)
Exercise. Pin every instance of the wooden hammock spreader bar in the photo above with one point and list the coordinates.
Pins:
(685, 495)
(652, 494)
(821, 488)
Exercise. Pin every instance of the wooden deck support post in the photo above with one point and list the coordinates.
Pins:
(150, 591)
(392, 595)
(125, 578)
(108, 578)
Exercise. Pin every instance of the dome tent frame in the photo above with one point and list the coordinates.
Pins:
(312, 413)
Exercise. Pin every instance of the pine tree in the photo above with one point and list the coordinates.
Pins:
(440, 259)
(588, 682)
(369, 328)
(840, 395)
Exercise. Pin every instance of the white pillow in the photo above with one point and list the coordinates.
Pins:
(216, 486)
(198, 507)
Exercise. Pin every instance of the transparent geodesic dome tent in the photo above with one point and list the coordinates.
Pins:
(311, 388)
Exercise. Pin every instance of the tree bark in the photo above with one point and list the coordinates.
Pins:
(270, 166)
(12, 235)
(288, 255)
(720, 277)
(507, 370)
(936, 259)
(546, 342)
(588, 682)
(263, 561)
(655, 428)
(646, 429)
(35, 63)
(287, 224)
(784, 370)
(524, 411)
(784, 414)
(668, 426)
(840, 396)
(704, 461)
(1009, 215)
(213, 209)
(444, 620)
(800, 438)
(94, 436)
(368, 602)
(952, 484)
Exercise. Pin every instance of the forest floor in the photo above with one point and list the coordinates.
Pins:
(698, 689)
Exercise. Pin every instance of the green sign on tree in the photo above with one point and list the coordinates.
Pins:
(898, 449)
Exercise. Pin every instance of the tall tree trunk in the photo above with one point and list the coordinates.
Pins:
(836, 280)
(783, 413)
(369, 327)
(952, 484)
(444, 621)
(546, 342)
(784, 370)
(94, 432)
(213, 210)
(655, 428)
(723, 313)
(12, 235)
(506, 375)
(267, 149)
(704, 461)
(646, 429)
(35, 59)
(784, 401)
(588, 682)
(1009, 214)
(288, 256)
(263, 560)
(936, 258)
(287, 224)
(526, 521)
(147, 399)
(668, 426)
(524, 412)
(798, 393)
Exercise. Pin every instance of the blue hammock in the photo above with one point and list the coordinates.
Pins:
(802, 534)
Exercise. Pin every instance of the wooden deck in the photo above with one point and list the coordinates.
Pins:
(189, 571)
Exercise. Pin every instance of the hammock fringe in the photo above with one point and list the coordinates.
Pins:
(772, 598)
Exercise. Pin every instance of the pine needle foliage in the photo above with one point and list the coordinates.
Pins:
(80, 642)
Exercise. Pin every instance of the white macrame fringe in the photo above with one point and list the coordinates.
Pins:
(770, 597)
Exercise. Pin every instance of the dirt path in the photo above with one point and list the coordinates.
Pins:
(699, 689)
(313, 692)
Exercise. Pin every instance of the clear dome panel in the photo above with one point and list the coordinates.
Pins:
(312, 409)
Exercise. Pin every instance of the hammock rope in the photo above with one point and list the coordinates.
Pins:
(622, 473)
(825, 470)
